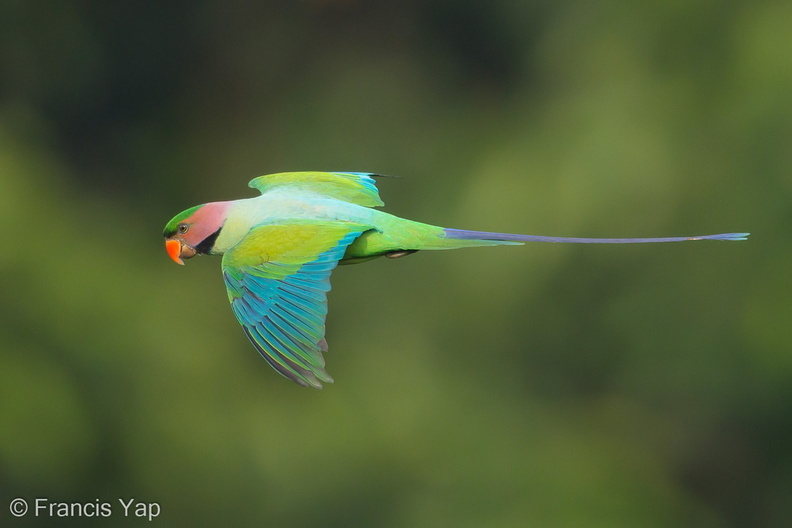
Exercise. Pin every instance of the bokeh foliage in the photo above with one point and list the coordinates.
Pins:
(536, 386)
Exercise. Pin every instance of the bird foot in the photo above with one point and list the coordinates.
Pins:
(400, 253)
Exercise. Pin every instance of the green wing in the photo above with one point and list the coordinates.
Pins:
(277, 278)
(355, 187)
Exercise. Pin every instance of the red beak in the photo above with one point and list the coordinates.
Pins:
(174, 248)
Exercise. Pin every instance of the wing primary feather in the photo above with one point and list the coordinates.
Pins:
(311, 334)
(297, 301)
(271, 360)
(299, 315)
(295, 332)
(286, 346)
(293, 370)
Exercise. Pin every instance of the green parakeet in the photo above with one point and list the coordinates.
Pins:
(279, 250)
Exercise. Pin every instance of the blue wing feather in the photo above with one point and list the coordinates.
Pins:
(285, 318)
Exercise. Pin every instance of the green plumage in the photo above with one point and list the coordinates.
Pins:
(280, 248)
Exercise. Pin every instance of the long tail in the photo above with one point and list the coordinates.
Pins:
(461, 234)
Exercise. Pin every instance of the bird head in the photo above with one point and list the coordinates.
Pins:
(194, 231)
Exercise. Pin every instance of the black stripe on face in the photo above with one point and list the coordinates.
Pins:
(206, 245)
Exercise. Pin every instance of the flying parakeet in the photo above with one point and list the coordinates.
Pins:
(279, 250)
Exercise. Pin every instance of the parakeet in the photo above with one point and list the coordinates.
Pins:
(279, 249)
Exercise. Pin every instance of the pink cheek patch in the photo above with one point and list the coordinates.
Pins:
(205, 221)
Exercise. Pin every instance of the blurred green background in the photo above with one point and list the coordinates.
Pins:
(541, 386)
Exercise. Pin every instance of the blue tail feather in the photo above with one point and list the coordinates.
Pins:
(462, 234)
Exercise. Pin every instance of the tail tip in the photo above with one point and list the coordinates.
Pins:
(725, 236)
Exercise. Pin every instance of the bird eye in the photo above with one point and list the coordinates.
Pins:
(183, 228)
